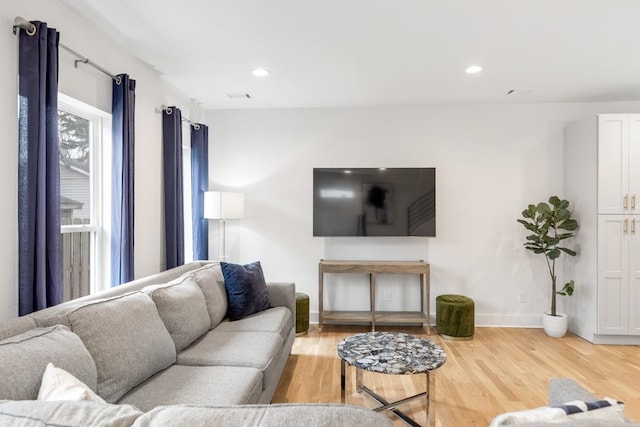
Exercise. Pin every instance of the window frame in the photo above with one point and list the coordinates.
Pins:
(100, 189)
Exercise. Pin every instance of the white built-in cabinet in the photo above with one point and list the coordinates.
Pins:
(619, 164)
(618, 274)
(618, 225)
(601, 175)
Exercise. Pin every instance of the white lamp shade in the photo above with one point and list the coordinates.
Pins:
(223, 205)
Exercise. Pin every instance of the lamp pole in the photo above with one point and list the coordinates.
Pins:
(222, 240)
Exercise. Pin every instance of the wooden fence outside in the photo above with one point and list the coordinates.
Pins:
(76, 261)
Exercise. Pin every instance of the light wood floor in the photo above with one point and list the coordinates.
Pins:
(500, 370)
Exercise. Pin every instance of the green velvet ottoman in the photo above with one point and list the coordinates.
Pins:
(455, 317)
(302, 313)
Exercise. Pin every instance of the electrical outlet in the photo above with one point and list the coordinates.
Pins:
(387, 295)
(523, 297)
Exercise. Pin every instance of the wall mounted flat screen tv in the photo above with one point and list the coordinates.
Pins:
(374, 202)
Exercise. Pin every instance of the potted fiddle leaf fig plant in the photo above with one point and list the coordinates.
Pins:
(550, 224)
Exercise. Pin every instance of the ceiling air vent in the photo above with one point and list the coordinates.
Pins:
(521, 91)
(239, 95)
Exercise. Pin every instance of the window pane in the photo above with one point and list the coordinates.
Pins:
(75, 161)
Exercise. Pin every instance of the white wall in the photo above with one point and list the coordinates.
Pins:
(491, 160)
(94, 88)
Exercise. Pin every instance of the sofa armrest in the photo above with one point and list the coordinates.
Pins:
(283, 295)
(562, 390)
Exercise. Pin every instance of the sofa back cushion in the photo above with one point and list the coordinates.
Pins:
(127, 340)
(211, 282)
(16, 326)
(183, 310)
(24, 358)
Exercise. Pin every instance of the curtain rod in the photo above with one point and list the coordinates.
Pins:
(184, 119)
(20, 22)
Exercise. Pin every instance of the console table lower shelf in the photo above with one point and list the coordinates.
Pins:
(381, 317)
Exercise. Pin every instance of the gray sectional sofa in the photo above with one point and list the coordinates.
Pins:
(160, 351)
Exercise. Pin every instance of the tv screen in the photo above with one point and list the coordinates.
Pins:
(374, 202)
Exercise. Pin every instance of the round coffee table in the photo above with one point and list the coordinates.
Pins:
(390, 353)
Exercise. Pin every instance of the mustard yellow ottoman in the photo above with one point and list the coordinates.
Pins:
(302, 313)
(455, 317)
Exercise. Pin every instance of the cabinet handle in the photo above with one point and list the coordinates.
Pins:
(625, 201)
(626, 226)
(633, 226)
(633, 201)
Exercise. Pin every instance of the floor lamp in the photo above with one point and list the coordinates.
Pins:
(223, 205)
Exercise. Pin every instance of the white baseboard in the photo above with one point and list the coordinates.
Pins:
(616, 339)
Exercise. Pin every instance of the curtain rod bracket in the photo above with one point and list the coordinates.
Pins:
(20, 22)
(84, 61)
(169, 111)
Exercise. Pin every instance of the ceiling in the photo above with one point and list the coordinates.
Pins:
(342, 53)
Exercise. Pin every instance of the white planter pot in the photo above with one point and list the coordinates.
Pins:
(555, 326)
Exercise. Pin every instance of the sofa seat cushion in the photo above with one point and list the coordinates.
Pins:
(182, 308)
(127, 340)
(197, 385)
(308, 415)
(25, 357)
(258, 350)
(277, 319)
(211, 282)
(66, 413)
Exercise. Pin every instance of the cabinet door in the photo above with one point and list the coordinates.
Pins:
(613, 274)
(634, 163)
(613, 163)
(634, 275)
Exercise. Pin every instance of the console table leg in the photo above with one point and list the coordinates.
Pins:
(320, 298)
(372, 287)
(343, 381)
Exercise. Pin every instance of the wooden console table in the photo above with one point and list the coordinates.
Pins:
(373, 268)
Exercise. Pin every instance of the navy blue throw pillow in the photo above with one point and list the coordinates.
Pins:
(246, 289)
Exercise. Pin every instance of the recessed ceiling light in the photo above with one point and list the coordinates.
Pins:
(474, 69)
(261, 72)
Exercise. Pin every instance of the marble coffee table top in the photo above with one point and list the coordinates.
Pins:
(391, 353)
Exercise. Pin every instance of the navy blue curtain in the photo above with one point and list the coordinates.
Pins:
(122, 185)
(173, 197)
(39, 246)
(199, 184)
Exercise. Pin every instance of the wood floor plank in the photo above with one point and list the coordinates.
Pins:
(499, 370)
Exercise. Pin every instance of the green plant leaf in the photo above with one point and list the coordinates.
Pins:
(543, 208)
(568, 289)
(568, 251)
(568, 224)
(553, 253)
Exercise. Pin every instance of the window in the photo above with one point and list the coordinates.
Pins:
(83, 135)
(186, 192)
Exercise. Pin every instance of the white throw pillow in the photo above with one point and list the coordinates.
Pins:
(607, 409)
(58, 384)
(537, 415)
